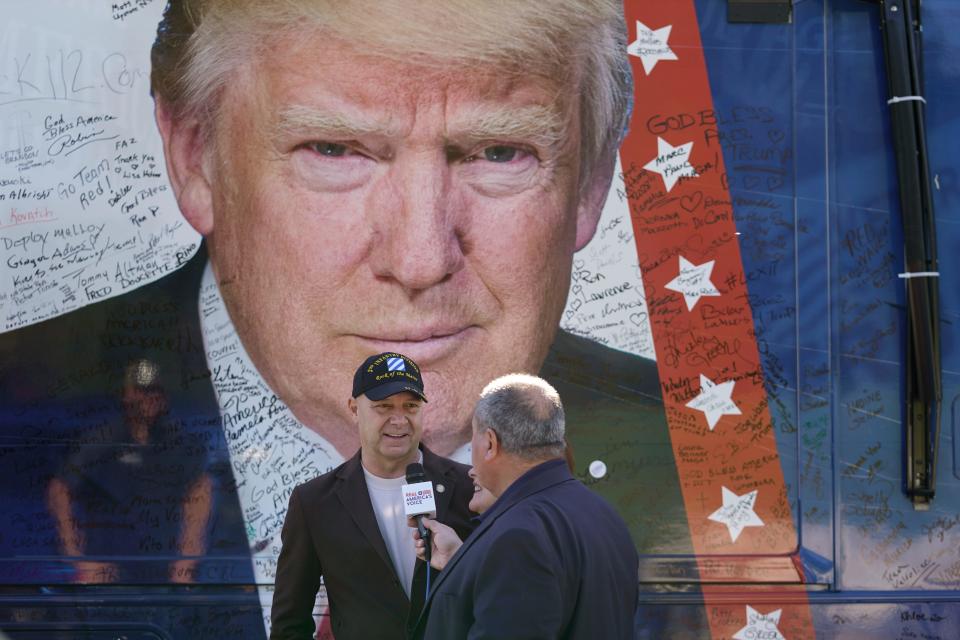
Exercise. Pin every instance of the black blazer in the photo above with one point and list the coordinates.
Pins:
(331, 532)
(551, 559)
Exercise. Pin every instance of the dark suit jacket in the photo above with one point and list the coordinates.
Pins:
(550, 559)
(331, 531)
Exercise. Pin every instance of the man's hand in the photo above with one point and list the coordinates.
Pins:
(444, 543)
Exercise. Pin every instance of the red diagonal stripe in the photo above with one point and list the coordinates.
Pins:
(694, 220)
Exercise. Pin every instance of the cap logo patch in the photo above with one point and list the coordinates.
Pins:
(396, 364)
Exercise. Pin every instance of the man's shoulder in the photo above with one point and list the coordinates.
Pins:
(569, 500)
(325, 483)
(574, 499)
(533, 527)
(532, 511)
(588, 365)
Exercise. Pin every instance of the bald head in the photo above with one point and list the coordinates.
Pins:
(526, 414)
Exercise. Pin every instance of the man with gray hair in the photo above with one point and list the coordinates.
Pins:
(550, 558)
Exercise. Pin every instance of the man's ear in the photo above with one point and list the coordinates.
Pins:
(593, 197)
(183, 150)
(352, 406)
(491, 444)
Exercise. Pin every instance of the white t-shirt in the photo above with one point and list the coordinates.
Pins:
(387, 500)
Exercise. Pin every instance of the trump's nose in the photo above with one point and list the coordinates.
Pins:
(419, 225)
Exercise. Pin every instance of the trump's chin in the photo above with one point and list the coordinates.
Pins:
(446, 422)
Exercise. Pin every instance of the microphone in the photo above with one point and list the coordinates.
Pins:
(418, 501)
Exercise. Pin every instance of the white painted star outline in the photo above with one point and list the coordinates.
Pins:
(737, 512)
(672, 163)
(715, 400)
(760, 625)
(693, 282)
(651, 46)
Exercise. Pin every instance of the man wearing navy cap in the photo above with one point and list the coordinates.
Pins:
(349, 527)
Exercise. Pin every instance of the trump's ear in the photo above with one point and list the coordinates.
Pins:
(593, 197)
(184, 150)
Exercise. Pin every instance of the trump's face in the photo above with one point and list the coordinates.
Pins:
(355, 205)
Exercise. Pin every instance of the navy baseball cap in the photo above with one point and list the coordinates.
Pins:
(387, 374)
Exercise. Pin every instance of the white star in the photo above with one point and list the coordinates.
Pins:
(651, 46)
(672, 163)
(760, 625)
(715, 400)
(737, 512)
(693, 282)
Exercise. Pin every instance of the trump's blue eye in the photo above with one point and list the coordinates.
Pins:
(500, 153)
(329, 149)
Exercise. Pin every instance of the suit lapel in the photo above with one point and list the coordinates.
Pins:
(438, 472)
(353, 495)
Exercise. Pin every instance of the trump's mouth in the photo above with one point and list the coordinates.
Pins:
(422, 345)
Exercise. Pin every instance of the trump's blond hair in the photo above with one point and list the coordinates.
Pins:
(579, 43)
